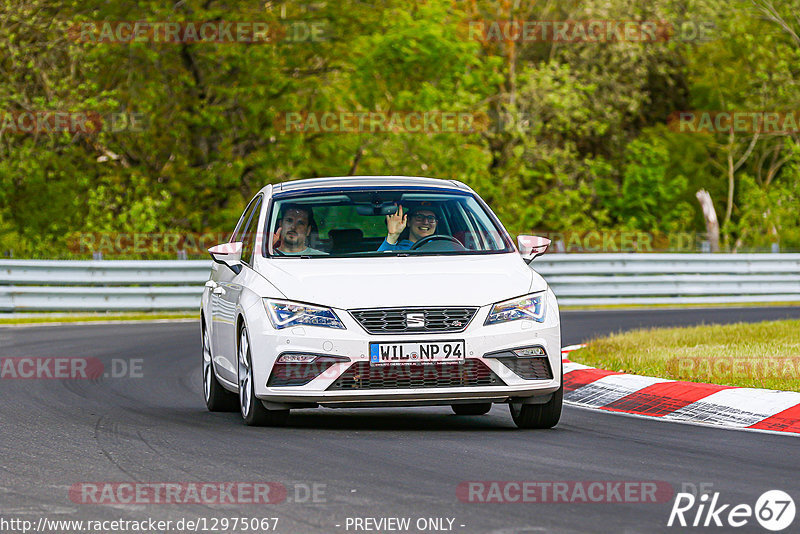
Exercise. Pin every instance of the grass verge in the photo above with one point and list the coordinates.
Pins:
(82, 318)
(759, 355)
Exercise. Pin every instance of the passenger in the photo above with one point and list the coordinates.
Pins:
(294, 227)
(423, 223)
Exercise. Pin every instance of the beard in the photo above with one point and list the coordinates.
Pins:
(293, 239)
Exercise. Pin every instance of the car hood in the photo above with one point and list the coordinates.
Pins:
(349, 283)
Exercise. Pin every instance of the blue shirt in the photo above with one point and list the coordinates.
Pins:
(405, 244)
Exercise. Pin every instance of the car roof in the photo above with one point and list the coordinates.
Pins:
(335, 182)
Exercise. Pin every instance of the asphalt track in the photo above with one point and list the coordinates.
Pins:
(373, 463)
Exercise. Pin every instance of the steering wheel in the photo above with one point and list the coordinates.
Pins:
(431, 238)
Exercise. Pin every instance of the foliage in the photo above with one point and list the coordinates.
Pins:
(770, 215)
(578, 137)
(651, 198)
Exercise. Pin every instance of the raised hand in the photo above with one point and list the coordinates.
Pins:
(395, 224)
(276, 236)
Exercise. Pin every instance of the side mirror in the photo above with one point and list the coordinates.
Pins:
(228, 254)
(531, 246)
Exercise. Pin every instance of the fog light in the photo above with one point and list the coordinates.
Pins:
(298, 369)
(530, 352)
(297, 358)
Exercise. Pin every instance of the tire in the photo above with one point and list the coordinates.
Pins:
(218, 399)
(253, 412)
(478, 408)
(539, 415)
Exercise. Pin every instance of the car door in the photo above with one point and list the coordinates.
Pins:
(225, 297)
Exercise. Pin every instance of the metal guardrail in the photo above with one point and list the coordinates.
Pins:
(576, 279)
(608, 279)
(44, 285)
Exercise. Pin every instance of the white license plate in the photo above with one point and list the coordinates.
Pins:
(416, 353)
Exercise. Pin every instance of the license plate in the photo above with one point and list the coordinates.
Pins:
(416, 353)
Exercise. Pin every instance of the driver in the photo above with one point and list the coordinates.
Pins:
(294, 228)
(405, 230)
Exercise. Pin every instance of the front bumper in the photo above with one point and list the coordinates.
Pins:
(267, 344)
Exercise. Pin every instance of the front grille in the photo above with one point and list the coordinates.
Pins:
(396, 320)
(529, 368)
(296, 374)
(362, 375)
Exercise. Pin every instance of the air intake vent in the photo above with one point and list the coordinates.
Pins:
(529, 368)
(413, 320)
(362, 375)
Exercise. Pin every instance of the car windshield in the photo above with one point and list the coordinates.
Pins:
(381, 223)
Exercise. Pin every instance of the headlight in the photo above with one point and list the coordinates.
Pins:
(530, 307)
(283, 314)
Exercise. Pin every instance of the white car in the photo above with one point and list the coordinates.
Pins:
(378, 291)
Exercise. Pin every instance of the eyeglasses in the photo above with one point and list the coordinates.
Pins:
(425, 218)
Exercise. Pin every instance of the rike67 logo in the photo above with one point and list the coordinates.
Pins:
(774, 510)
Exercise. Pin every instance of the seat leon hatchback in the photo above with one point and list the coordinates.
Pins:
(378, 291)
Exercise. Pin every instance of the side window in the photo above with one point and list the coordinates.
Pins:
(270, 221)
(243, 220)
(478, 233)
(463, 225)
(249, 236)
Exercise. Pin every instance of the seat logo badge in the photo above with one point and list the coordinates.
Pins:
(415, 320)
